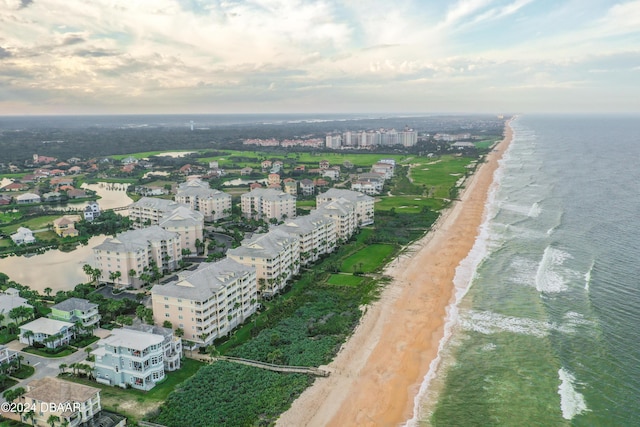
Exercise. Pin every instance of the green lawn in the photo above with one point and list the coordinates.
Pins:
(136, 403)
(25, 371)
(306, 203)
(32, 223)
(344, 280)
(439, 174)
(9, 216)
(408, 204)
(367, 259)
(39, 352)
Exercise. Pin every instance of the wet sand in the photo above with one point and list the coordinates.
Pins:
(378, 372)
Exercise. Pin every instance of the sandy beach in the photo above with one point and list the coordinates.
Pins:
(378, 372)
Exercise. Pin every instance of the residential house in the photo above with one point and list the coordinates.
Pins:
(91, 211)
(130, 358)
(7, 355)
(307, 187)
(209, 302)
(246, 171)
(332, 173)
(213, 204)
(23, 236)
(368, 185)
(66, 225)
(9, 300)
(266, 165)
(324, 164)
(133, 253)
(290, 186)
(76, 193)
(171, 345)
(15, 186)
(5, 199)
(273, 178)
(52, 196)
(73, 404)
(27, 198)
(52, 333)
(74, 310)
(387, 169)
(275, 256)
(268, 203)
(364, 205)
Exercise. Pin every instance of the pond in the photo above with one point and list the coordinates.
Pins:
(60, 271)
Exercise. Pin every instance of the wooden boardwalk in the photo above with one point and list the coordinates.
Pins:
(276, 368)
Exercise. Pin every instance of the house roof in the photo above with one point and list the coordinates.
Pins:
(72, 304)
(46, 326)
(128, 338)
(264, 245)
(55, 390)
(9, 302)
(135, 240)
(204, 282)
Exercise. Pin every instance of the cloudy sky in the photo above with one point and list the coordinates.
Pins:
(228, 56)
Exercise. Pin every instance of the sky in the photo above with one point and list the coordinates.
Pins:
(329, 56)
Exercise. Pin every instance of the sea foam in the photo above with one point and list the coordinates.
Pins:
(572, 403)
(465, 273)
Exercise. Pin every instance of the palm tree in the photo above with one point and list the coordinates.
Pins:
(31, 415)
(28, 335)
(48, 291)
(88, 270)
(62, 367)
(52, 420)
(179, 332)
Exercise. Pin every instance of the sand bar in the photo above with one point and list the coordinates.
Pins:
(378, 372)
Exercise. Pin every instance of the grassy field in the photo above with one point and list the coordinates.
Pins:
(32, 223)
(136, 403)
(344, 280)
(439, 175)
(9, 216)
(408, 204)
(367, 259)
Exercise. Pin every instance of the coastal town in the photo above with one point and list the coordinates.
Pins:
(190, 269)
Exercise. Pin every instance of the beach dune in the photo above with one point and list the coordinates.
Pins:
(377, 374)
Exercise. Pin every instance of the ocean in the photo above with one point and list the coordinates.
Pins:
(546, 329)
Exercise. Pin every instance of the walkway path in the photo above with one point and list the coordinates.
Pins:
(276, 368)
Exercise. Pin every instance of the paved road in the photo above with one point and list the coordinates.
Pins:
(47, 367)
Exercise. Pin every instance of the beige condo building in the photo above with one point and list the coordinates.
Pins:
(275, 256)
(149, 210)
(316, 235)
(268, 203)
(364, 204)
(187, 223)
(135, 251)
(213, 204)
(209, 302)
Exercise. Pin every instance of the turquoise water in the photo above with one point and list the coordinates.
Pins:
(546, 330)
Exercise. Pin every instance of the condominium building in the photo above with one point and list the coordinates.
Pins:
(275, 256)
(134, 252)
(213, 204)
(149, 210)
(77, 310)
(189, 224)
(342, 213)
(268, 203)
(209, 302)
(130, 358)
(364, 205)
(316, 235)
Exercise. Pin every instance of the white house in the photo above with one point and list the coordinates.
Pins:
(43, 328)
(23, 236)
(91, 211)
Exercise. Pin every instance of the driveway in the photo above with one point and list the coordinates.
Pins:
(46, 366)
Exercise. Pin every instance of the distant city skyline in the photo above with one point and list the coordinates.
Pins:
(327, 56)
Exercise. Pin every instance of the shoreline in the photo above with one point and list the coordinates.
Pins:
(379, 371)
